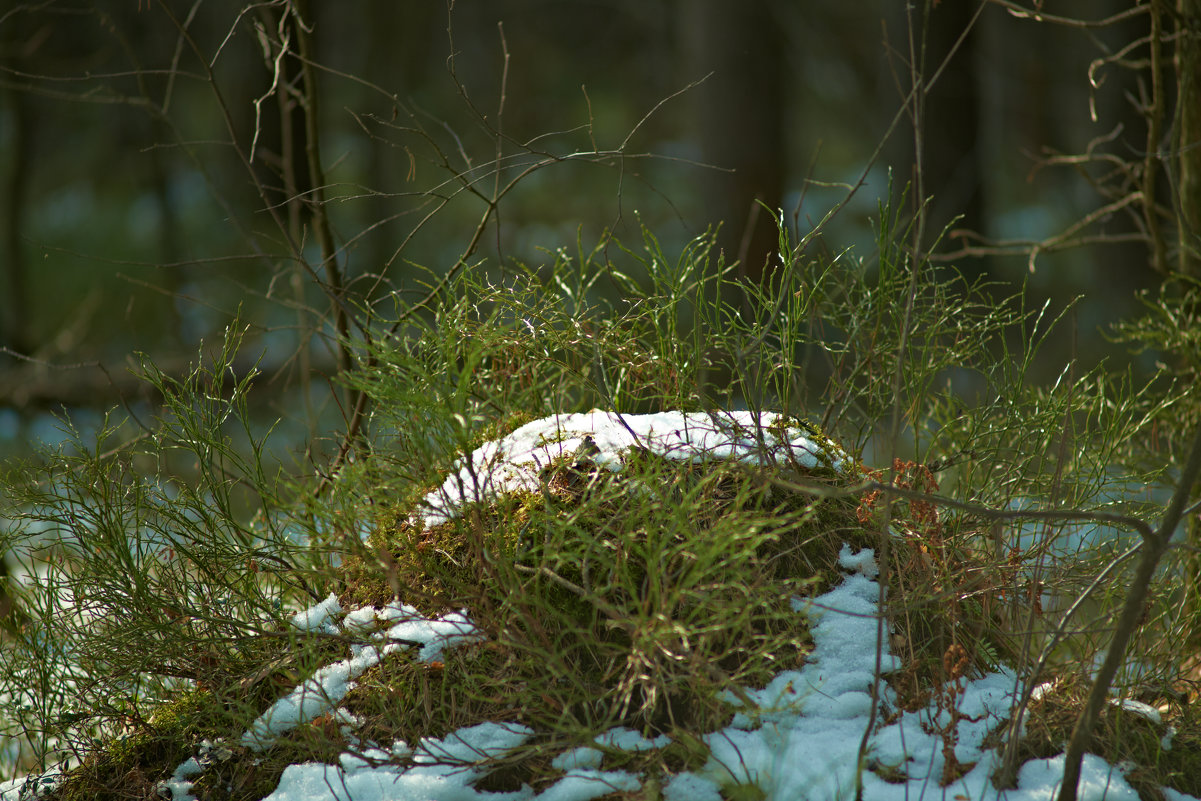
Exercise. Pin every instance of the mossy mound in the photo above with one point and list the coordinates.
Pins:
(646, 596)
(631, 597)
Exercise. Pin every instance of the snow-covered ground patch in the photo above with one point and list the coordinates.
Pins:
(321, 693)
(513, 462)
(828, 731)
(800, 738)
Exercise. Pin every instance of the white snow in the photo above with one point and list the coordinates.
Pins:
(799, 738)
(513, 463)
(443, 769)
(325, 688)
(1139, 708)
(319, 617)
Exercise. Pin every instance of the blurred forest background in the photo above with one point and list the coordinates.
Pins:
(168, 166)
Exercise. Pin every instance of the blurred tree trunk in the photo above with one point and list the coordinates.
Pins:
(738, 119)
(1188, 127)
(14, 318)
(1187, 166)
(400, 39)
(1132, 265)
(282, 142)
(14, 331)
(950, 135)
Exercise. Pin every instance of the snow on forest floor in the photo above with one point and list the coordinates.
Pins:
(801, 737)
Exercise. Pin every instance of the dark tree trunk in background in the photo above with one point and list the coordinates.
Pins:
(738, 119)
(1187, 164)
(14, 296)
(950, 129)
(399, 40)
(280, 139)
(1188, 146)
(1131, 265)
(1016, 92)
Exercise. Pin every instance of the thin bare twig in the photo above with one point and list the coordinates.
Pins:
(1022, 12)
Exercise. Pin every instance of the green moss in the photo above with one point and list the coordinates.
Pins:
(744, 792)
(634, 598)
(133, 764)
